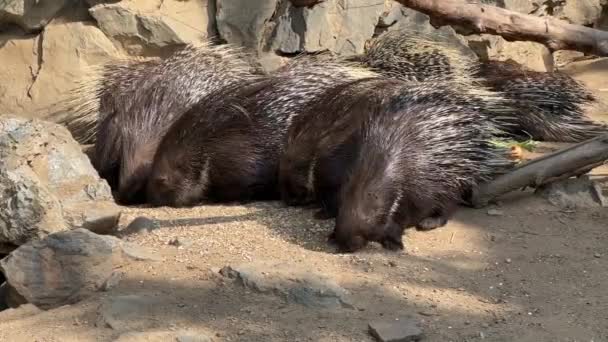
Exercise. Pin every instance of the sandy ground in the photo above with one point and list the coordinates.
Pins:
(532, 273)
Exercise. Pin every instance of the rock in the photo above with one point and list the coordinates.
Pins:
(49, 182)
(180, 242)
(495, 212)
(18, 54)
(565, 57)
(580, 12)
(244, 22)
(26, 310)
(112, 281)
(532, 55)
(100, 218)
(145, 28)
(162, 336)
(140, 224)
(402, 329)
(139, 253)
(124, 313)
(65, 52)
(11, 297)
(335, 25)
(3, 302)
(63, 268)
(29, 15)
(574, 193)
(303, 286)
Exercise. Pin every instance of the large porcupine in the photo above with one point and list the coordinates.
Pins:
(227, 147)
(138, 101)
(545, 105)
(324, 141)
(417, 155)
(551, 105)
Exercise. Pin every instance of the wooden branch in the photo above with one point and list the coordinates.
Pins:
(554, 33)
(572, 161)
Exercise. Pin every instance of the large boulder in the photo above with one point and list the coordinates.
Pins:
(37, 71)
(142, 27)
(63, 268)
(335, 25)
(245, 22)
(29, 15)
(47, 184)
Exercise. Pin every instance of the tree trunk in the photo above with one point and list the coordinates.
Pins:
(572, 161)
(513, 26)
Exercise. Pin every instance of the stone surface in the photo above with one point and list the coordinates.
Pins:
(66, 51)
(100, 218)
(335, 25)
(303, 286)
(19, 56)
(29, 15)
(581, 12)
(139, 253)
(164, 336)
(574, 193)
(21, 312)
(532, 55)
(401, 329)
(63, 268)
(112, 281)
(49, 182)
(244, 22)
(123, 313)
(140, 225)
(143, 27)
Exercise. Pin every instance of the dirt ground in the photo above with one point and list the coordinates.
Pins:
(526, 271)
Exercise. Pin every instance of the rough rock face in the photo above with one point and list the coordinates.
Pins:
(65, 267)
(29, 15)
(143, 27)
(47, 184)
(47, 45)
(62, 268)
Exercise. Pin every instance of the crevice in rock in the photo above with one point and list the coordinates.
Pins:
(213, 32)
(39, 60)
(269, 32)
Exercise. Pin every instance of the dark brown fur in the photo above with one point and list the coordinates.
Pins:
(217, 151)
(548, 106)
(417, 157)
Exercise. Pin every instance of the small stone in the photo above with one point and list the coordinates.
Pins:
(508, 260)
(180, 242)
(495, 212)
(141, 224)
(597, 255)
(574, 193)
(402, 329)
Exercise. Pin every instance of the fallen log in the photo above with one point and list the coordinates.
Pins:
(513, 26)
(572, 161)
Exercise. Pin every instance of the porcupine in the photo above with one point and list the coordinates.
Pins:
(139, 101)
(546, 106)
(311, 170)
(416, 156)
(236, 158)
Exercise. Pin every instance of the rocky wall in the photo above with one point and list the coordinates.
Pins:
(46, 45)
